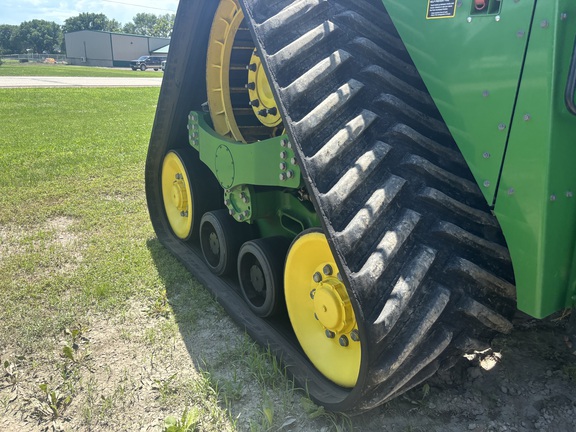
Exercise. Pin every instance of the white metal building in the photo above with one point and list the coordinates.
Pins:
(98, 48)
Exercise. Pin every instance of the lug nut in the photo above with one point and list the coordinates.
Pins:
(354, 335)
(227, 202)
(293, 161)
(283, 166)
(317, 277)
(250, 86)
(283, 176)
(312, 294)
(327, 269)
(290, 174)
(263, 113)
(273, 111)
(340, 278)
(184, 214)
(179, 176)
(343, 341)
(284, 143)
(255, 103)
(330, 334)
(252, 67)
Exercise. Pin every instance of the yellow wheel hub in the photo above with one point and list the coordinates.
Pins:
(177, 195)
(320, 310)
(261, 96)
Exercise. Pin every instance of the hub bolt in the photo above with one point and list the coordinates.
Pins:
(317, 277)
(283, 155)
(312, 295)
(263, 113)
(330, 334)
(283, 176)
(327, 269)
(251, 86)
(184, 214)
(343, 341)
(273, 111)
(179, 176)
(283, 166)
(354, 335)
(252, 67)
(255, 103)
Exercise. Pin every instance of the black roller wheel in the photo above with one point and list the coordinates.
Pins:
(220, 239)
(260, 272)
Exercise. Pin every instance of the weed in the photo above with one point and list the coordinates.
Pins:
(165, 387)
(52, 403)
(189, 421)
(337, 421)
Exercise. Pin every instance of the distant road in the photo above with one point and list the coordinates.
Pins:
(31, 82)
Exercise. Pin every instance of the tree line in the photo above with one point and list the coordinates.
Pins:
(41, 36)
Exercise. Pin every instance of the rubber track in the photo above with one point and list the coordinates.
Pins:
(423, 258)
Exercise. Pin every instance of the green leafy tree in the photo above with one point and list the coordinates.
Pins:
(151, 25)
(164, 25)
(39, 36)
(144, 23)
(90, 21)
(7, 35)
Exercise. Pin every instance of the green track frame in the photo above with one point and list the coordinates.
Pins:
(498, 77)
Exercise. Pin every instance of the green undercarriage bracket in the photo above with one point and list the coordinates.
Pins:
(264, 163)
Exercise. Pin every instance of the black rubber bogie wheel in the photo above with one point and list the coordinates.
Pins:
(260, 273)
(220, 239)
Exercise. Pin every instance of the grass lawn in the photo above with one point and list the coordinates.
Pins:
(101, 328)
(13, 68)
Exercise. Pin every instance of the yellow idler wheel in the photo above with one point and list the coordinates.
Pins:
(177, 195)
(320, 310)
(225, 26)
(261, 96)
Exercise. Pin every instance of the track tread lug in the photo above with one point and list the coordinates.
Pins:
(342, 141)
(387, 247)
(329, 107)
(321, 71)
(363, 223)
(409, 281)
(485, 315)
(411, 336)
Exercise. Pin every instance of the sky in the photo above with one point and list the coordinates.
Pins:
(17, 11)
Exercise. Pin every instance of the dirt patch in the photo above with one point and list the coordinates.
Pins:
(131, 371)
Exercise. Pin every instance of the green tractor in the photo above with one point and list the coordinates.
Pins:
(371, 188)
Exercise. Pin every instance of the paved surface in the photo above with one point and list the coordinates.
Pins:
(14, 82)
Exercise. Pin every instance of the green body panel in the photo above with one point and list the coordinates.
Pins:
(471, 65)
(536, 204)
(498, 80)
